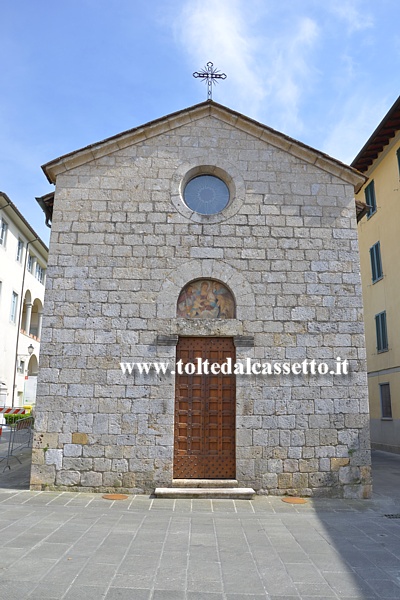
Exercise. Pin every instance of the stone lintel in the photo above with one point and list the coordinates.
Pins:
(244, 341)
(167, 340)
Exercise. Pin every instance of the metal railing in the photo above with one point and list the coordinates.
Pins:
(20, 437)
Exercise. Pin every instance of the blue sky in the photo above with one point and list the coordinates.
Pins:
(76, 72)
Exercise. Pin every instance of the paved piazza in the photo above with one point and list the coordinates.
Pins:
(79, 546)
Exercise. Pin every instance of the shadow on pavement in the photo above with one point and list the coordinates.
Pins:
(77, 545)
(386, 475)
(17, 477)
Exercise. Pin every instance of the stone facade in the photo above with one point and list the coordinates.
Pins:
(124, 245)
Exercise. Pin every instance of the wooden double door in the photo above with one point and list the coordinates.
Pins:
(204, 444)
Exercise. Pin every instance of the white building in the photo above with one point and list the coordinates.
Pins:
(23, 261)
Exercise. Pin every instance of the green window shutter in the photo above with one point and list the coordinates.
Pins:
(370, 198)
(373, 263)
(378, 333)
(381, 332)
(384, 331)
(376, 262)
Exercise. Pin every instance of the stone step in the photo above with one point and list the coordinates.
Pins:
(231, 493)
(205, 483)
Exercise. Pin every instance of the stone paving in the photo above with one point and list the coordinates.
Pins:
(70, 546)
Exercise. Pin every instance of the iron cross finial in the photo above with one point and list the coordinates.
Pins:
(209, 76)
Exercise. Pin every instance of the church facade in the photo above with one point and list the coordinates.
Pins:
(223, 255)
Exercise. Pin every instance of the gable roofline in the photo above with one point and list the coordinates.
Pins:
(177, 119)
(380, 138)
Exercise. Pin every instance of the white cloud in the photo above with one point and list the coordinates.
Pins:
(290, 72)
(268, 68)
(349, 11)
(215, 30)
(359, 117)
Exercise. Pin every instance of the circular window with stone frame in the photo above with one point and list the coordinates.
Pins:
(207, 192)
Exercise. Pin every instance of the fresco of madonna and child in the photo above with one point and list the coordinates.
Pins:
(206, 299)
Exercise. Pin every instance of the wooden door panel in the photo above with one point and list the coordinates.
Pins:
(204, 445)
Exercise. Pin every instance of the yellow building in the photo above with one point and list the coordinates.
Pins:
(379, 238)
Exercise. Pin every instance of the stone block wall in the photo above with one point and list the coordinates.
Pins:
(124, 244)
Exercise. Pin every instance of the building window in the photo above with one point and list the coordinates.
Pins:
(370, 198)
(398, 158)
(386, 401)
(376, 262)
(14, 306)
(381, 332)
(29, 263)
(206, 194)
(3, 233)
(20, 249)
(39, 274)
